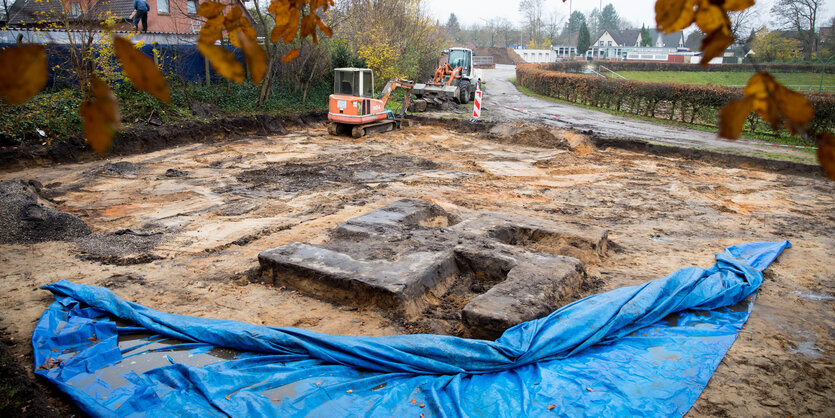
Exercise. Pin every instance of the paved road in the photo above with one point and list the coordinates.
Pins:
(500, 92)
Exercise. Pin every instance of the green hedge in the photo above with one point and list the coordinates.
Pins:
(693, 104)
(734, 68)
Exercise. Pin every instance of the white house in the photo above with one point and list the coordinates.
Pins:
(537, 56)
(621, 44)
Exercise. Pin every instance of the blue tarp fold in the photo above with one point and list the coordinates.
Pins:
(639, 350)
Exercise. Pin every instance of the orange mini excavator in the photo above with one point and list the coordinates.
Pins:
(354, 109)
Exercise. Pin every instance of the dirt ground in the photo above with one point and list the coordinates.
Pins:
(179, 230)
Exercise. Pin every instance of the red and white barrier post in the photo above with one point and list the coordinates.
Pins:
(477, 103)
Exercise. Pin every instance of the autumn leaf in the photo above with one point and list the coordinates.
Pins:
(737, 5)
(826, 154)
(210, 9)
(290, 55)
(223, 61)
(715, 44)
(772, 101)
(24, 72)
(732, 117)
(256, 58)
(674, 15)
(141, 70)
(100, 116)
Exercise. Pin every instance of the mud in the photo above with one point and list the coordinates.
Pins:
(664, 212)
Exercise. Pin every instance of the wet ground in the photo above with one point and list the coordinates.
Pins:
(504, 102)
(179, 230)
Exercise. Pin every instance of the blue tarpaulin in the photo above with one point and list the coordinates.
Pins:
(638, 350)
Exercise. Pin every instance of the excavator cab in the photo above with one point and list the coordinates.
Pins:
(355, 109)
(356, 82)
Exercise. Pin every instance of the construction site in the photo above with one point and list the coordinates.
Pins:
(363, 222)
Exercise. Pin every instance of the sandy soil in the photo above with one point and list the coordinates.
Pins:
(230, 201)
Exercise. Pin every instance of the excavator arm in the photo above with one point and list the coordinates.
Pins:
(393, 84)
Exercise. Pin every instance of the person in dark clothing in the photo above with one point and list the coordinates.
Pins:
(140, 13)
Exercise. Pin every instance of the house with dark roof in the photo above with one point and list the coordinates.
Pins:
(618, 44)
(165, 16)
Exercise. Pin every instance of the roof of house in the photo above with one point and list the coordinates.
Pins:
(119, 8)
(669, 40)
(626, 37)
(29, 11)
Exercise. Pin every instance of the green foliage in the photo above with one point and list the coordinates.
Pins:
(646, 36)
(774, 46)
(692, 104)
(53, 112)
(609, 19)
(619, 66)
(795, 81)
(583, 40)
(343, 57)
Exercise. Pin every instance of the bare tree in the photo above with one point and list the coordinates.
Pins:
(553, 26)
(743, 22)
(801, 16)
(505, 29)
(532, 10)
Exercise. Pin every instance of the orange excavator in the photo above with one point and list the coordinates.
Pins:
(355, 110)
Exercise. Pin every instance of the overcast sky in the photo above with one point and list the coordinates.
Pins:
(636, 11)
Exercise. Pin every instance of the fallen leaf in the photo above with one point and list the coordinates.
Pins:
(24, 72)
(414, 401)
(290, 55)
(589, 389)
(826, 154)
(552, 406)
(421, 405)
(100, 116)
(349, 391)
(141, 70)
(318, 383)
(223, 61)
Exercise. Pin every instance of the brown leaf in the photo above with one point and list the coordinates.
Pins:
(826, 154)
(233, 19)
(795, 107)
(715, 44)
(141, 70)
(732, 117)
(710, 18)
(290, 55)
(256, 57)
(223, 61)
(210, 9)
(551, 406)
(212, 31)
(100, 116)
(674, 15)
(24, 72)
(737, 5)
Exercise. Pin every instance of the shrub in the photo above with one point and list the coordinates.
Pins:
(743, 68)
(694, 104)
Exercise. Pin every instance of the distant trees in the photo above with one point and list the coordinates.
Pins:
(646, 36)
(800, 16)
(533, 10)
(583, 39)
(609, 19)
(770, 46)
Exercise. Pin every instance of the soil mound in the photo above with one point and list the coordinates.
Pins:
(541, 136)
(506, 56)
(24, 219)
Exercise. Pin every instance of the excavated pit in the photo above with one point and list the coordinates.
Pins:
(440, 273)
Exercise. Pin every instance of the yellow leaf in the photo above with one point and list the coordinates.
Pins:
(100, 116)
(210, 9)
(141, 70)
(256, 57)
(826, 154)
(223, 61)
(715, 44)
(24, 72)
(732, 117)
(233, 19)
(674, 15)
(290, 55)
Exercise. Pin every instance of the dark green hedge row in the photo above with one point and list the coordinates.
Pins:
(694, 104)
(735, 68)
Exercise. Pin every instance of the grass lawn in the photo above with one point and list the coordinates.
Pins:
(796, 81)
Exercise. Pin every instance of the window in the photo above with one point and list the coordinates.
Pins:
(602, 42)
(162, 6)
(191, 6)
(610, 43)
(75, 9)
